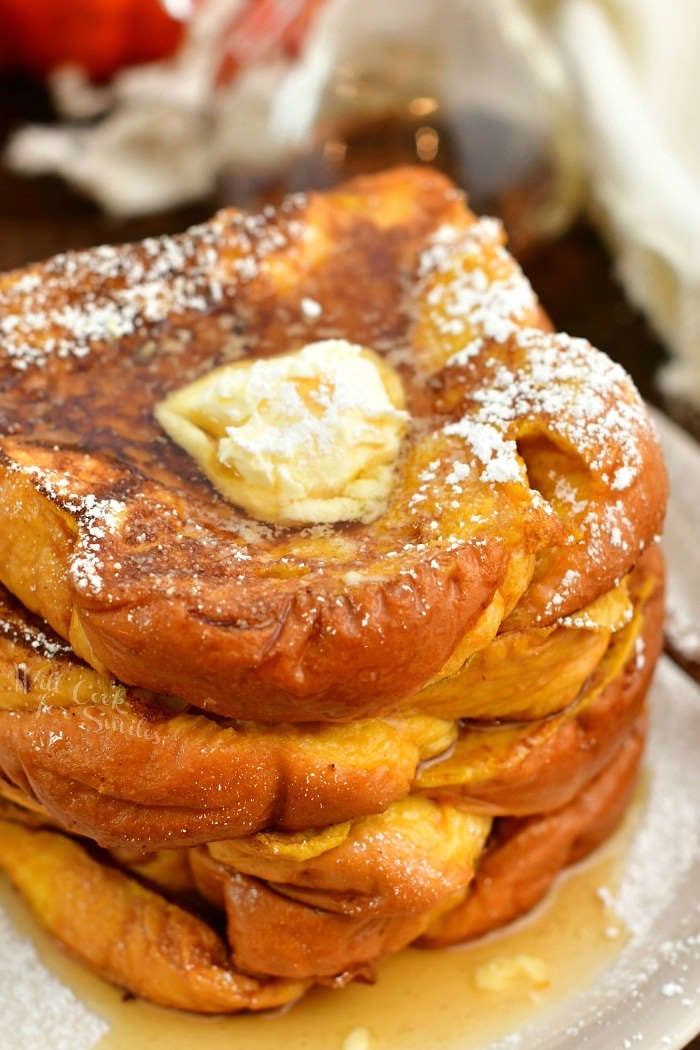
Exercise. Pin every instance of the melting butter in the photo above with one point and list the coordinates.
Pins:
(306, 437)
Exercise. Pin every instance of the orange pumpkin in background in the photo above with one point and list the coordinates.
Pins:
(102, 36)
(99, 35)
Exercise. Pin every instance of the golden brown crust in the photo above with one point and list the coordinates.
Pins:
(332, 914)
(525, 855)
(128, 934)
(606, 528)
(529, 485)
(545, 765)
(522, 676)
(512, 876)
(134, 558)
(121, 779)
(271, 933)
(313, 932)
(127, 769)
(409, 858)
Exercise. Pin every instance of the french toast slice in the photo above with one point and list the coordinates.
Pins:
(126, 932)
(282, 936)
(528, 482)
(525, 854)
(129, 768)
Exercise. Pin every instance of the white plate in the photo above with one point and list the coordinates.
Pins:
(650, 997)
(647, 997)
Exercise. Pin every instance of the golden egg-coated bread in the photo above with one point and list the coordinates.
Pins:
(128, 768)
(131, 924)
(527, 478)
(540, 766)
(126, 932)
(338, 932)
(524, 855)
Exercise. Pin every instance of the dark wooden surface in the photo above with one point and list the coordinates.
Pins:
(572, 275)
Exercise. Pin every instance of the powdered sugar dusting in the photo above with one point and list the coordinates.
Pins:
(39, 1011)
(567, 585)
(515, 374)
(131, 287)
(34, 638)
(497, 454)
(569, 389)
(582, 620)
(480, 297)
(670, 829)
(310, 308)
(683, 633)
(96, 518)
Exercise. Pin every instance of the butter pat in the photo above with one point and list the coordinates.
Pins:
(305, 437)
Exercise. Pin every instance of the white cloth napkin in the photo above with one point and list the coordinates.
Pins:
(637, 71)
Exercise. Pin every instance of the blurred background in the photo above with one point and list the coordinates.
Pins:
(573, 120)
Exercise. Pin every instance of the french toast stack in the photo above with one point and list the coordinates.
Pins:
(249, 743)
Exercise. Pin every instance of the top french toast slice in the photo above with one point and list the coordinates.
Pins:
(529, 480)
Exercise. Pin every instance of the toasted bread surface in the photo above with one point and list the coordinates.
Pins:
(526, 854)
(126, 767)
(282, 936)
(528, 483)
